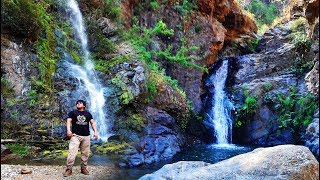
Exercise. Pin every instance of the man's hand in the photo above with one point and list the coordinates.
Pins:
(95, 135)
(69, 134)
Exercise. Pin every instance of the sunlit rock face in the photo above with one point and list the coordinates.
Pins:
(227, 23)
(230, 14)
(15, 65)
(279, 162)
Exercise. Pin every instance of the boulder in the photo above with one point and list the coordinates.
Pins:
(108, 27)
(279, 162)
(4, 150)
(312, 135)
(161, 139)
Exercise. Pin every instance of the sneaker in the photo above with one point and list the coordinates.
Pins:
(84, 171)
(67, 173)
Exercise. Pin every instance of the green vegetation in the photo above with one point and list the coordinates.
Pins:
(135, 121)
(264, 14)
(140, 38)
(247, 110)
(20, 150)
(22, 17)
(111, 9)
(31, 19)
(154, 5)
(295, 111)
(132, 120)
(302, 44)
(112, 148)
(6, 88)
(186, 6)
(126, 95)
(57, 154)
(252, 44)
(161, 29)
(298, 24)
(102, 44)
(301, 66)
(104, 65)
(267, 87)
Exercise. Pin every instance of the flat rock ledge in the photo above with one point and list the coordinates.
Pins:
(272, 163)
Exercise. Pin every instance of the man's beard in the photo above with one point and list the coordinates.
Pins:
(80, 108)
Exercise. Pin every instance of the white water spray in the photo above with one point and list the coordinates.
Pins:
(220, 112)
(87, 77)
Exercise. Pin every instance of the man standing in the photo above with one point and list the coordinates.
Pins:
(80, 136)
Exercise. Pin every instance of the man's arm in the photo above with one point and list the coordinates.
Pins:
(69, 133)
(93, 125)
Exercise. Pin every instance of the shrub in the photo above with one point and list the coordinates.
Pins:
(161, 28)
(295, 111)
(112, 9)
(186, 6)
(22, 17)
(298, 23)
(18, 149)
(247, 110)
(6, 88)
(154, 5)
(267, 87)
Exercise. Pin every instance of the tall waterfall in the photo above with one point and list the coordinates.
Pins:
(219, 113)
(88, 80)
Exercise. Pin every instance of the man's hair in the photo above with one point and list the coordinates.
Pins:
(82, 101)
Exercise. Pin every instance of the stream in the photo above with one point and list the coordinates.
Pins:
(211, 153)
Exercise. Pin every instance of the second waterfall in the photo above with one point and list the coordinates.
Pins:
(89, 87)
(218, 116)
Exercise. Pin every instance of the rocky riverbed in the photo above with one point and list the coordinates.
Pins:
(56, 172)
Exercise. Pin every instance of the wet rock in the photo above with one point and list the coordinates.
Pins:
(5, 150)
(279, 162)
(108, 27)
(160, 141)
(312, 135)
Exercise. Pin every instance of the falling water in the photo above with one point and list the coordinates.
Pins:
(219, 114)
(87, 77)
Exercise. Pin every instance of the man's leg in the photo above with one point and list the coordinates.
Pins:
(85, 150)
(73, 149)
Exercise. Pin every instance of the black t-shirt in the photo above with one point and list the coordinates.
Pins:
(80, 122)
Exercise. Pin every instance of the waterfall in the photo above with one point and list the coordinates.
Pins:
(90, 87)
(219, 113)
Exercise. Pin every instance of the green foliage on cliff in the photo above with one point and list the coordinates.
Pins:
(23, 17)
(252, 44)
(154, 5)
(101, 44)
(161, 28)
(135, 121)
(31, 19)
(104, 65)
(126, 95)
(132, 120)
(302, 44)
(186, 6)
(111, 9)
(247, 110)
(295, 111)
(6, 88)
(140, 38)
